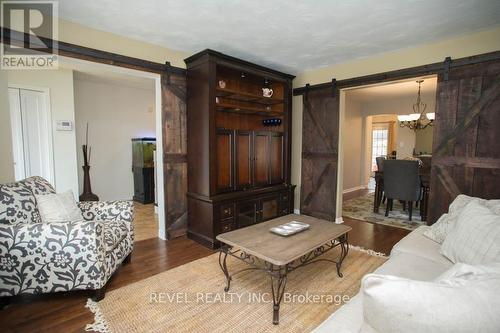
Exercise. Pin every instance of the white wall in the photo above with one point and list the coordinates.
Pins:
(60, 85)
(116, 113)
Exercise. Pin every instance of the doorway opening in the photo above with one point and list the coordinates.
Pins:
(375, 116)
(118, 105)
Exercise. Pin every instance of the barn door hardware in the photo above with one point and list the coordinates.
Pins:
(168, 67)
(306, 91)
(447, 65)
(334, 87)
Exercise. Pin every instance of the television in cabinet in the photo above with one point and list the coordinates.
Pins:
(239, 144)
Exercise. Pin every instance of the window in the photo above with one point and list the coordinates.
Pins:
(380, 141)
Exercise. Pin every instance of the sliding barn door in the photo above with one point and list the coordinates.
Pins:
(174, 154)
(466, 152)
(320, 134)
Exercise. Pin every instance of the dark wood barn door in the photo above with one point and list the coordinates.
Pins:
(320, 134)
(466, 148)
(173, 98)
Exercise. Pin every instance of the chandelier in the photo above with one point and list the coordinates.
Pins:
(417, 120)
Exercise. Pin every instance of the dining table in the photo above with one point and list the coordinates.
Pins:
(425, 176)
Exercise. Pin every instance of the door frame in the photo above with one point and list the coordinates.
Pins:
(50, 149)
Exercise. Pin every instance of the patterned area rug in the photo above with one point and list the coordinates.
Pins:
(190, 298)
(361, 208)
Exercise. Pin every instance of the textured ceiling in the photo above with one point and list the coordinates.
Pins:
(292, 36)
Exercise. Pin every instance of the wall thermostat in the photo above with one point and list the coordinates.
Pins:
(64, 125)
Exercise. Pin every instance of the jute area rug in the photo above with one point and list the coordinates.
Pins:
(190, 298)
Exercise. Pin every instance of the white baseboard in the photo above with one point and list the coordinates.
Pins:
(339, 220)
(352, 189)
(296, 211)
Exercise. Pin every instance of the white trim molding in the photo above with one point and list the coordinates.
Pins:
(296, 211)
(339, 220)
(352, 189)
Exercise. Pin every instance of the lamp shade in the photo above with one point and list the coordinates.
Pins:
(402, 117)
(430, 115)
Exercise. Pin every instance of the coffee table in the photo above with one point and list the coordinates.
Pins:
(277, 255)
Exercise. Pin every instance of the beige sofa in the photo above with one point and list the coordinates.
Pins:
(415, 257)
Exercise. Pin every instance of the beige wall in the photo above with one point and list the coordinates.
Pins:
(60, 85)
(6, 158)
(468, 45)
(116, 113)
(353, 139)
(423, 141)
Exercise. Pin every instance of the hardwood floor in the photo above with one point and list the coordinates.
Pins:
(66, 312)
(145, 222)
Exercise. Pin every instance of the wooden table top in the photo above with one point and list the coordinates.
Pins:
(258, 241)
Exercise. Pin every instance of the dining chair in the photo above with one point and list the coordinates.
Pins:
(401, 182)
(380, 168)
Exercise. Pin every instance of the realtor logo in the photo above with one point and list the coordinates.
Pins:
(29, 35)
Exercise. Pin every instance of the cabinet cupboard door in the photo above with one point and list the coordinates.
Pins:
(243, 159)
(261, 158)
(225, 163)
(276, 160)
(247, 213)
(269, 208)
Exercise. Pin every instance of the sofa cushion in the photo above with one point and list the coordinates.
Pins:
(58, 207)
(349, 318)
(461, 303)
(475, 239)
(114, 233)
(417, 244)
(18, 204)
(411, 266)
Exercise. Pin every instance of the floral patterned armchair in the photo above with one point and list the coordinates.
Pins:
(37, 257)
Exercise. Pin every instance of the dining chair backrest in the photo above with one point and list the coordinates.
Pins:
(380, 163)
(402, 180)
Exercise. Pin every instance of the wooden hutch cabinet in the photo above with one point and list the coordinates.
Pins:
(239, 145)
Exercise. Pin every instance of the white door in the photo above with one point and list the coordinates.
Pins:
(31, 134)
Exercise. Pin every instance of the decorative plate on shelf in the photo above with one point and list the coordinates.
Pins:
(289, 228)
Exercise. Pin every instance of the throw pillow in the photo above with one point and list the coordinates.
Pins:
(475, 238)
(58, 207)
(393, 304)
(440, 229)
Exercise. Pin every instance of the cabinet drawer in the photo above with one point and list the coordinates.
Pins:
(226, 211)
(226, 226)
